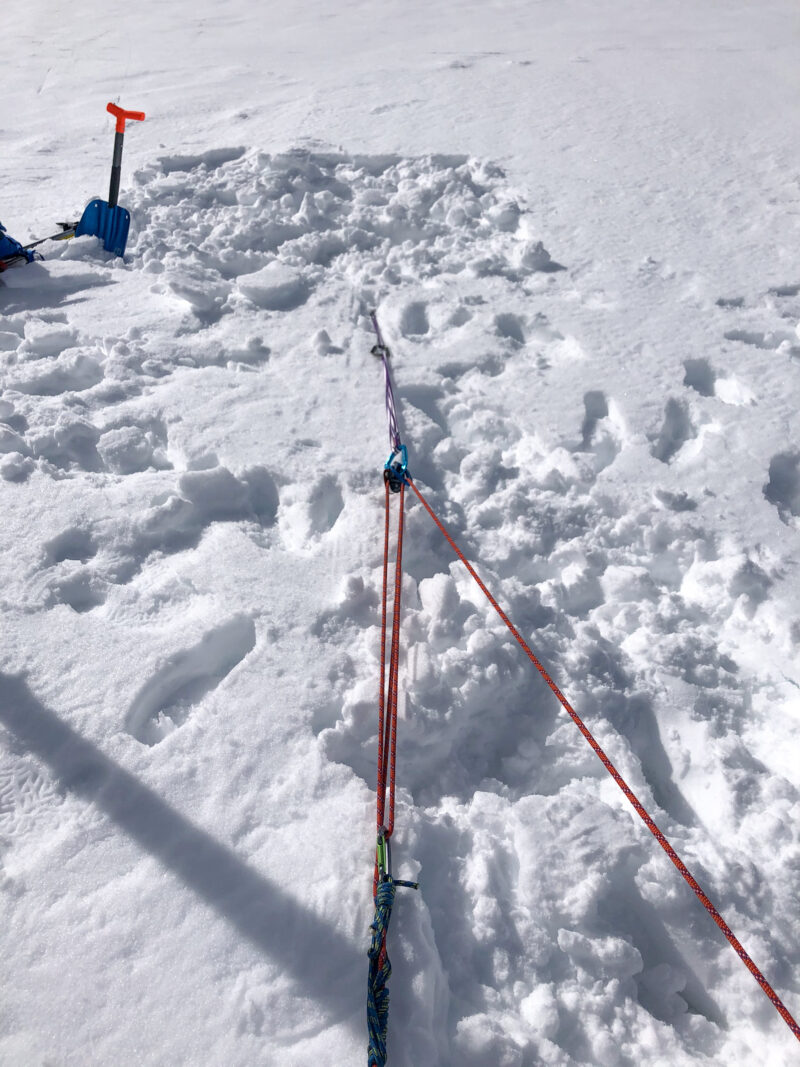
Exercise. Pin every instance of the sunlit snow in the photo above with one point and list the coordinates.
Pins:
(579, 224)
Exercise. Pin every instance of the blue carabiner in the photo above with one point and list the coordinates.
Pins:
(395, 471)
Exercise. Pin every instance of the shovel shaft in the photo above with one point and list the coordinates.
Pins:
(116, 169)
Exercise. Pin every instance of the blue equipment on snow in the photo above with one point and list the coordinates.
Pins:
(11, 250)
(106, 219)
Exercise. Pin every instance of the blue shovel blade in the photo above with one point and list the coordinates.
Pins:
(110, 224)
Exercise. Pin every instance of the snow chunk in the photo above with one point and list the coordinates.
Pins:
(126, 449)
(73, 371)
(275, 287)
(540, 1010)
(46, 338)
(607, 957)
(14, 467)
(215, 493)
(9, 342)
(482, 1039)
(732, 391)
(203, 291)
(11, 441)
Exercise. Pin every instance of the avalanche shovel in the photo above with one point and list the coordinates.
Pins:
(105, 219)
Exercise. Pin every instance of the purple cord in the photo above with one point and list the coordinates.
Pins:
(381, 350)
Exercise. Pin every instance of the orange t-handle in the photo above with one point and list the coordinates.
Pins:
(121, 115)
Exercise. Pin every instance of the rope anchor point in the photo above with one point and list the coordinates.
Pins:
(383, 858)
(395, 469)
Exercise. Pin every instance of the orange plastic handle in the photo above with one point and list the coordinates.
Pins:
(120, 114)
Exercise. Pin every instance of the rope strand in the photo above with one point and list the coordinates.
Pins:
(382, 693)
(388, 696)
(394, 666)
(382, 350)
(383, 885)
(380, 970)
(651, 826)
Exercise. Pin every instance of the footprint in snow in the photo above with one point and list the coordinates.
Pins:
(74, 543)
(414, 320)
(702, 377)
(730, 302)
(82, 591)
(769, 341)
(510, 327)
(307, 513)
(168, 699)
(460, 317)
(427, 399)
(81, 567)
(601, 430)
(676, 430)
(781, 300)
(783, 487)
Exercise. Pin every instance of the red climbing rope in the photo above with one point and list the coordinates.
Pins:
(394, 669)
(382, 693)
(612, 770)
(387, 700)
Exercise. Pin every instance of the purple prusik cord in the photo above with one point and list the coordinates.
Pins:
(381, 350)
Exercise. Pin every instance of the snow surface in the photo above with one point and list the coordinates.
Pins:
(579, 221)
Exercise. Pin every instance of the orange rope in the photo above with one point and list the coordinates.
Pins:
(382, 694)
(387, 700)
(609, 766)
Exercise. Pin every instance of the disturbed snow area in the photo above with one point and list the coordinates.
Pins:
(192, 442)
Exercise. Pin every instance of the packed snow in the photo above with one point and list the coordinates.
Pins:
(578, 223)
